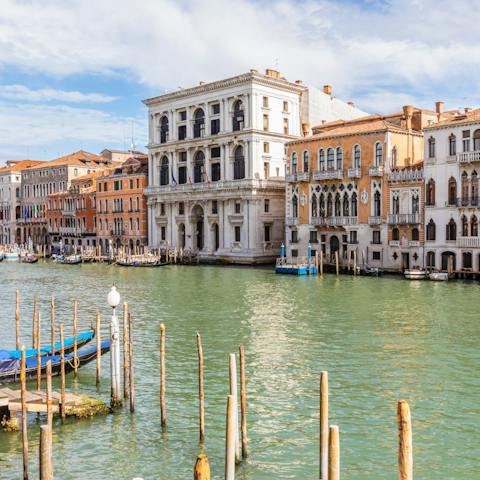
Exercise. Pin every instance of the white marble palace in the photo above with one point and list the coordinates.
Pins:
(217, 162)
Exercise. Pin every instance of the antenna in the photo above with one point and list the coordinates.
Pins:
(133, 136)
(276, 64)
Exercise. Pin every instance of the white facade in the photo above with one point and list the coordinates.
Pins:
(452, 165)
(216, 164)
(10, 181)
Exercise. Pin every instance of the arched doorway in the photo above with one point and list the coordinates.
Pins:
(334, 245)
(216, 233)
(181, 235)
(197, 220)
(446, 261)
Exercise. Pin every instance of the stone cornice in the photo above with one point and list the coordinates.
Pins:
(450, 126)
(244, 78)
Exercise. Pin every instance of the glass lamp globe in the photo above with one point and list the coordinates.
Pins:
(113, 297)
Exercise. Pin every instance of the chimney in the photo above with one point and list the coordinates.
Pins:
(467, 109)
(272, 73)
(299, 82)
(305, 129)
(439, 106)
(351, 104)
(408, 112)
(327, 90)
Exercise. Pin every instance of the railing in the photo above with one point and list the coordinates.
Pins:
(375, 171)
(414, 243)
(333, 221)
(394, 243)
(291, 221)
(465, 202)
(318, 221)
(403, 218)
(222, 185)
(468, 241)
(468, 157)
(328, 175)
(406, 175)
(298, 177)
(375, 220)
(68, 213)
(354, 173)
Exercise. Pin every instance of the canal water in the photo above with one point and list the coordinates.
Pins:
(380, 339)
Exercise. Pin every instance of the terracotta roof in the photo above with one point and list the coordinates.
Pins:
(19, 165)
(80, 158)
(459, 119)
(89, 176)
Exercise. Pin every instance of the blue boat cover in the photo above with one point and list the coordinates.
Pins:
(6, 354)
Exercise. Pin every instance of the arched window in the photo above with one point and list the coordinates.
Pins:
(354, 205)
(431, 230)
(239, 164)
(338, 210)
(452, 145)
(339, 158)
(395, 234)
(238, 116)
(321, 160)
(465, 189)
(294, 206)
(346, 205)
(431, 147)
(451, 232)
(377, 204)
(464, 226)
(415, 204)
(415, 235)
(378, 155)
(357, 156)
(330, 159)
(474, 189)
(198, 123)
(164, 129)
(164, 174)
(430, 192)
(294, 163)
(322, 205)
(314, 205)
(431, 259)
(396, 204)
(198, 167)
(305, 161)
(394, 158)
(329, 205)
(452, 191)
(474, 226)
(476, 140)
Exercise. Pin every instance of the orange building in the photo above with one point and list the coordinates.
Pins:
(121, 205)
(357, 186)
(71, 215)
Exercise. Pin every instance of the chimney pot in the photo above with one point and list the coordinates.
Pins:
(272, 73)
(408, 112)
(327, 90)
(305, 129)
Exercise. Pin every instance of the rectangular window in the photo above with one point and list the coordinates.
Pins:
(182, 132)
(294, 253)
(215, 109)
(214, 207)
(182, 116)
(265, 123)
(215, 172)
(353, 236)
(266, 147)
(237, 207)
(266, 205)
(285, 106)
(117, 185)
(182, 157)
(181, 208)
(376, 237)
(313, 236)
(215, 152)
(131, 184)
(466, 144)
(162, 209)
(215, 126)
(294, 236)
(376, 256)
(265, 102)
(285, 126)
(266, 232)
(163, 233)
(182, 175)
(237, 234)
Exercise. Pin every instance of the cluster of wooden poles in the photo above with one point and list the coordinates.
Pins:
(45, 446)
(319, 263)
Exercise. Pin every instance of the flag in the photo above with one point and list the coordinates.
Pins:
(174, 181)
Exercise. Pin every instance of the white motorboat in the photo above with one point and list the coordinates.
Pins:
(439, 276)
(415, 274)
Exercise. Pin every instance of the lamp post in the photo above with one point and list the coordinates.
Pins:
(283, 250)
(114, 300)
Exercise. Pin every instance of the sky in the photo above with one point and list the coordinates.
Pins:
(73, 73)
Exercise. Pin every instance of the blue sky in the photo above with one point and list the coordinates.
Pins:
(73, 72)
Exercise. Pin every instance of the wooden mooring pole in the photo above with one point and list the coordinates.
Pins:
(321, 263)
(39, 358)
(125, 350)
(99, 349)
(334, 454)
(201, 393)
(355, 262)
(52, 323)
(34, 322)
(17, 320)
(46, 469)
(202, 468)
(405, 454)
(337, 265)
(163, 404)
(75, 317)
(230, 440)
(130, 361)
(49, 396)
(23, 393)
(324, 425)
(234, 394)
(62, 373)
(243, 402)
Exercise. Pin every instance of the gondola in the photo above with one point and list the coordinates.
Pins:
(68, 260)
(30, 258)
(68, 345)
(139, 263)
(10, 368)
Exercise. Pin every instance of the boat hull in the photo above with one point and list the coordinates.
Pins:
(438, 277)
(414, 274)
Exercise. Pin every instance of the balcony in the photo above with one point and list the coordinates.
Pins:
(375, 171)
(406, 175)
(328, 175)
(394, 243)
(319, 221)
(414, 243)
(68, 213)
(403, 218)
(465, 202)
(468, 242)
(298, 177)
(341, 221)
(291, 221)
(375, 220)
(468, 157)
(354, 173)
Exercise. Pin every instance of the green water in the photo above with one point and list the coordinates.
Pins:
(380, 339)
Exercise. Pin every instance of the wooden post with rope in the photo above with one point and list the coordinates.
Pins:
(130, 351)
(17, 320)
(62, 373)
(23, 393)
(125, 350)
(243, 401)
(163, 405)
(201, 394)
(99, 349)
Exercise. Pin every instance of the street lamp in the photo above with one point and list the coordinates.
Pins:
(114, 300)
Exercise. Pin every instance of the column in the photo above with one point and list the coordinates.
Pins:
(221, 225)
(246, 103)
(206, 109)
(223, 116)
(172, 134)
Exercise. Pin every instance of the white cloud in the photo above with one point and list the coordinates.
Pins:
(23, 93)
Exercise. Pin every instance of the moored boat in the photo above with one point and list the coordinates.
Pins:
(68, 260)
(438, 276)
(415, 274)
(29, 258)
(11, 256)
